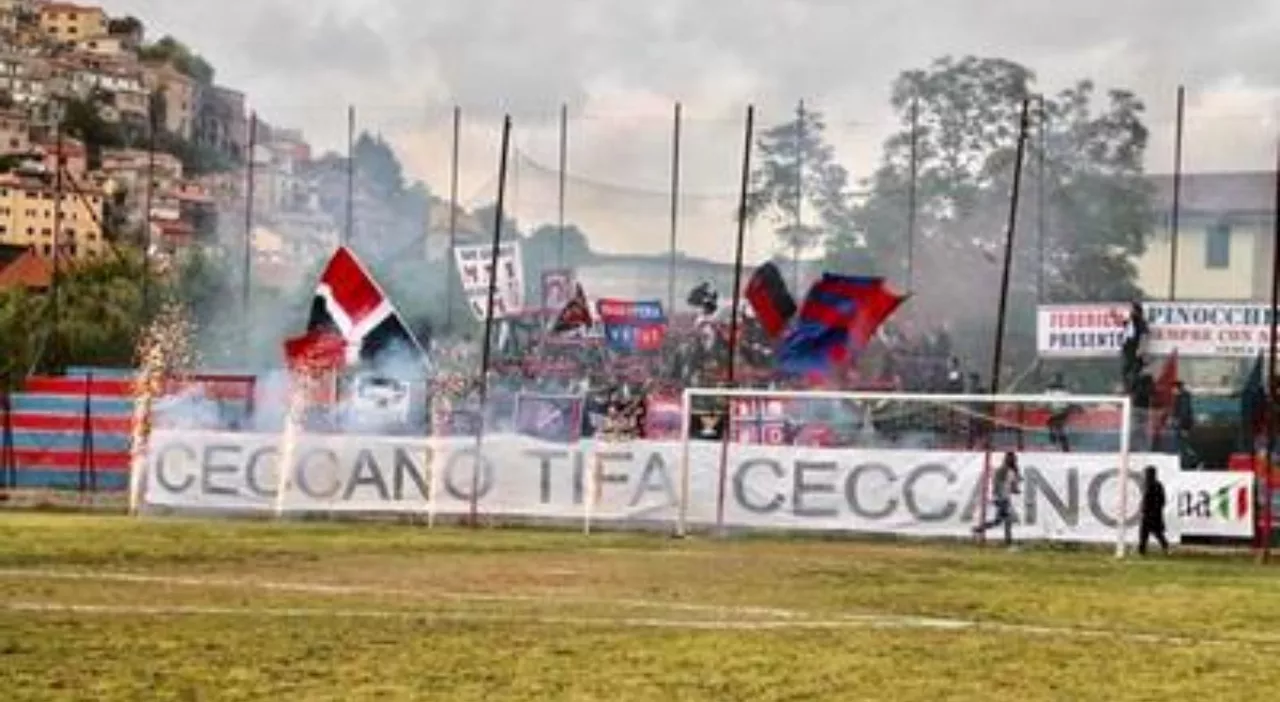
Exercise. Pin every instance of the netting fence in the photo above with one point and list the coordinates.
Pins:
(641, 206)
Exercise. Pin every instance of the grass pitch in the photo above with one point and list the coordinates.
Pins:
(108, 608)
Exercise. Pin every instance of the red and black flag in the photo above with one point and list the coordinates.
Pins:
(349, 304)
(576, 313)
(768, 295)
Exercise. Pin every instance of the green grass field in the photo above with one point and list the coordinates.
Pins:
(108, 608)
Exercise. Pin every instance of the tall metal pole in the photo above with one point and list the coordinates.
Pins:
(499, 205)
(56, 282)
(452, 277)
(147, 199)
(351, 176)
(799, 218)
(1042, 213)
(912, 187)
(250, 168)
(748, 135)
(563, 175)
(1177, 192)
(1269, 385)
(997, 358)
(677, 118)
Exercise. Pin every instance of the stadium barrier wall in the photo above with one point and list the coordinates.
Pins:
(1066, 497)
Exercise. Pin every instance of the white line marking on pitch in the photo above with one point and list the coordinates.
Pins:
(771, 618)
(327, 589)
(845, 623)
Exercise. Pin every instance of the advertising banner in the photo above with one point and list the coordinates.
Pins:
(1194, 329)
(1064, 497)
(1214, 503)
(473, 269)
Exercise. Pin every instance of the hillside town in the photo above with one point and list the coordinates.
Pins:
(121, 140)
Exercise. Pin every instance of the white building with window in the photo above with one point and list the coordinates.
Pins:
(1224, 242)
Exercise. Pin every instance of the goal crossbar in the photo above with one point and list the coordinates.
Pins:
(1123, 402)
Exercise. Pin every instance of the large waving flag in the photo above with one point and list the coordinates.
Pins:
(1164, 396)
(768, 295)
(839, 317)
(349, 304)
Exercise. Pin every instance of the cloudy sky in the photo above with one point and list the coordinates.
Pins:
(619, 64)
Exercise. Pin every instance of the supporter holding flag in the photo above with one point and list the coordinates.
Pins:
(839, 317)
(1163, 398)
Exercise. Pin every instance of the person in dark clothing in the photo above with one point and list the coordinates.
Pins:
(1153, 500)
(1005, 483)
(1132, 349)
(1059, 412)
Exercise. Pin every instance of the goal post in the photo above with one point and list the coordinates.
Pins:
(911, 464)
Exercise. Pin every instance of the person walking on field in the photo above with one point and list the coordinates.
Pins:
(1004, 485)
(1153, 501)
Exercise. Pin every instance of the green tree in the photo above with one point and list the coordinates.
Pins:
(170, 50)
(82, 120)
(798, 187)
(378, 167)
(1097, 203)
(1091, 196)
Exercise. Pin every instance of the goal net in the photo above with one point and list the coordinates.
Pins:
(914, 464)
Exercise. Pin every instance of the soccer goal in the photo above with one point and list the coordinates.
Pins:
(913, 464)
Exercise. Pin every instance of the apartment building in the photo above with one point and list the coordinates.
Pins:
(15, 133)
(1224, 240)
(67, 22)
(179, 96)
(29, 208)
(27, 79)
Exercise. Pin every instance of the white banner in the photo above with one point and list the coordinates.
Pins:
(1202, 329)
(1065, 497)
(473, 268)
(1214, 503)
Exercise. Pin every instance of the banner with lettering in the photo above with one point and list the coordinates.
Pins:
(1064, 497)
(633, 326)
(1194, 329)
(473, 270)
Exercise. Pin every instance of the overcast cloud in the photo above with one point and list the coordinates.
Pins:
(404, 63)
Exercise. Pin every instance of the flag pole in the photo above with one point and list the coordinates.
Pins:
(1179, 127)
(1271, 368)
(1012, 227)
(488, 317)
(748, 135)
(1042, 216)
(563, 178)
(677, 118)
(148, 197)
(451, 264)
(912, 192)
(348, 231)
(248, 217)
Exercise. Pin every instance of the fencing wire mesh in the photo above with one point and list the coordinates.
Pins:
(617, 195)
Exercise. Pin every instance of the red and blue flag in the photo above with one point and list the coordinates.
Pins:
(839, 317)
